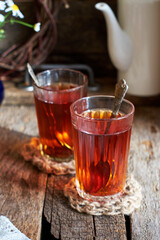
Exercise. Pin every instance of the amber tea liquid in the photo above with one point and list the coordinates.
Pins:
(101, 159)
(54, 120)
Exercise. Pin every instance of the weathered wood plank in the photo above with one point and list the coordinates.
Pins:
(19, 118)
(110, 227)
(22, 187)
(145, 165)
(68, 224)
(16, 96)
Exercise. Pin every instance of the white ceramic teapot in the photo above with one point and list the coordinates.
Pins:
(134, 43)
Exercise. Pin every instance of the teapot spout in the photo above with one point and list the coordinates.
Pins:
(120, 46)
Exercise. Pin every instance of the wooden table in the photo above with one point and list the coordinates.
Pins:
(34, 201)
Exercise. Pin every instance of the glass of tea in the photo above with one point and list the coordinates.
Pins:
(57, 89)
(101, 145)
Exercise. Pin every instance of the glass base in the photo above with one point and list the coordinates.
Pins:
(57, 159)
(96, 198)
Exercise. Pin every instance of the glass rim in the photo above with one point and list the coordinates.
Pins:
(98, 119)
(63, 90)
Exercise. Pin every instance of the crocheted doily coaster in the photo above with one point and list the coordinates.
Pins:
(31, 153)
(125, 203)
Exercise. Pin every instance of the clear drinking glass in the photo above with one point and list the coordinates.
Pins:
(101, 145)
(57, 90)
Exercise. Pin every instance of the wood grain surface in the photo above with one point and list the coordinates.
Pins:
(67, 223)
(22, 186)
(144, 164)
(27, 193)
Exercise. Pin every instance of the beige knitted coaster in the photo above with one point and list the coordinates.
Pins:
(111, 205)
(31, 153)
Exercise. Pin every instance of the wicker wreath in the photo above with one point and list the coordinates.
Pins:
(39, 46)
